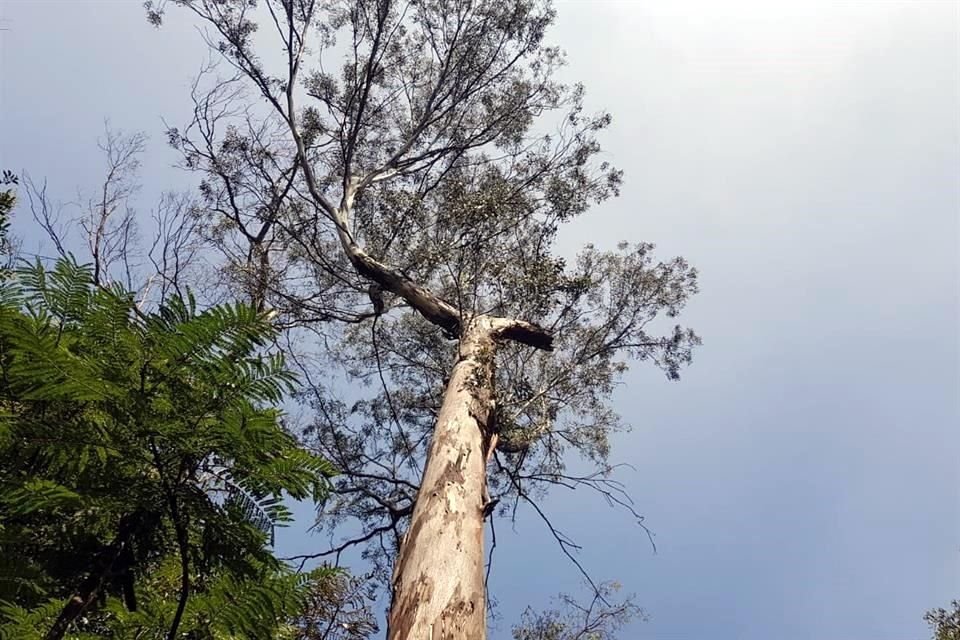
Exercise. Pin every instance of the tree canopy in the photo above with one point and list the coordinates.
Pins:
(393, 186)
(143, 465)
(945, 623)
(423, 181)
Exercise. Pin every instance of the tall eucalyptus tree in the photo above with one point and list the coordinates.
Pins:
(393, 184)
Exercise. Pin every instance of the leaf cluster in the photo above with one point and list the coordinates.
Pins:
(598, 619)
(945, 623)
(143, 464)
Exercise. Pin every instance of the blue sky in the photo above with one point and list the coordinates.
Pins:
(803, 479)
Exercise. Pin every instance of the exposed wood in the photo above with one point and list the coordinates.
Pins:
(438, 585)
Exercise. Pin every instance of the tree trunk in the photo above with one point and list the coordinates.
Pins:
(438, 580)
(75, 605)
(89, 589)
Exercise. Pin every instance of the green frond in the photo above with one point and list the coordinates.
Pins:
(250, 609)
(39, 495)
(110, 417)
(229, 607)
(20, 575)
(263, 510)
(64, 291)
(19, 623)
(302, 474)
(181, 335)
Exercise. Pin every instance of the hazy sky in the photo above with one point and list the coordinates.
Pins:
(803, 479)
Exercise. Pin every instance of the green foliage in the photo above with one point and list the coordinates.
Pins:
(137, 449)
(229, 607)
(8, 200)
(7, 197)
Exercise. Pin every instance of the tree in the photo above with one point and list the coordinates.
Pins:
(326, 602)
(8, 200)
(106, 230)
(598, 620)
(142, 461)
(945, 623)
(406, 218)
(7, 197)
(337, 609)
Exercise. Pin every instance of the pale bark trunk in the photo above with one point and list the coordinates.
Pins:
(438, 585)
(438, 578)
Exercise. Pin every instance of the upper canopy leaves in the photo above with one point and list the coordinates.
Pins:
(428, 148)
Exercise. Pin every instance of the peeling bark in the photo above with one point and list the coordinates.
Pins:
(438, 584)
